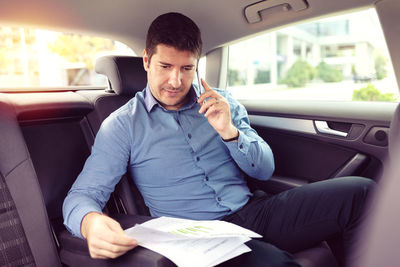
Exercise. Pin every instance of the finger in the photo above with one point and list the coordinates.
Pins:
(102, 248)
(118, 236)
(206, 95)
(208, 104)
(120, 240)
(205, 85)
(106, 254)
(212, 110)
(208, 92)
(97, 256)
(114, 248)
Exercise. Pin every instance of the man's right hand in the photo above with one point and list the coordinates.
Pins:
(105, 237)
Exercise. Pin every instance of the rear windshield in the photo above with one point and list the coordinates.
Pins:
(33, 58)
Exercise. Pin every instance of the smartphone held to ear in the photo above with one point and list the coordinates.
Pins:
(199, 82)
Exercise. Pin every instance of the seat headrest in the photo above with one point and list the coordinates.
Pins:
(125, 73)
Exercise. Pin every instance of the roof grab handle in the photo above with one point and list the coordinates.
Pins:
(252, 12)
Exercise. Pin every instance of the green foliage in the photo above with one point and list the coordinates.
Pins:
(234, 78)
(328, 74)
(380, 67)
(299, 74)
(262, 76)
(78, 48)
(371, 93)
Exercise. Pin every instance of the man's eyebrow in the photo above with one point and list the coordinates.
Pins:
(169, 64)
(164, 63)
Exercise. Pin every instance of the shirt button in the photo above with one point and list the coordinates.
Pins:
(207, 178)
(241, 146)
(197, 158)
(252, 165)
(190, 136)
(218, 198)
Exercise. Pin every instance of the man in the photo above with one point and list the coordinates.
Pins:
(186, 150)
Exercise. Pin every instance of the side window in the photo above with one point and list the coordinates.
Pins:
(38, 58)
(341, 58)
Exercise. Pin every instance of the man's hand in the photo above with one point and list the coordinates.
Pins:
(105, 237)
(217, 111)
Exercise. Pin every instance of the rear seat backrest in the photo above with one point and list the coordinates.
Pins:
(30, 235)
(56, 133)
(126, 77)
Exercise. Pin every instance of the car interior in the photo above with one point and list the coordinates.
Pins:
(46, 133)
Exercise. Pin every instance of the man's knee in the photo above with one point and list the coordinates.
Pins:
(353, 186)
(355, 193)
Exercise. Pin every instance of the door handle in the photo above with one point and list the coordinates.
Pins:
(323, 127)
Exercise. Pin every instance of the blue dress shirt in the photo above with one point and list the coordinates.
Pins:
(179, 163)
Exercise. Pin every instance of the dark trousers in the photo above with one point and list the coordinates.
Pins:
(301, 218)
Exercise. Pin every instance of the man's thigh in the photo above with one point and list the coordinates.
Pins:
(302, 217)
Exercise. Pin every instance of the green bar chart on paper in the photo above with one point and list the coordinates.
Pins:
(196, 230)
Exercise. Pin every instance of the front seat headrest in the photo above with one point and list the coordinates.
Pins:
(125, 74)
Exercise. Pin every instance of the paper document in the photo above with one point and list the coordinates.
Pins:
(192, 243)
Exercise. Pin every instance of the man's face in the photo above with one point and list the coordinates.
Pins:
(170, 73)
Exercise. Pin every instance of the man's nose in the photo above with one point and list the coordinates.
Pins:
(175, 78)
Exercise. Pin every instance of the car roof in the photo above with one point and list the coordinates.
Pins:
(221, 22)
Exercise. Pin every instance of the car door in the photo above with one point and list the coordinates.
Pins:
(313, 142)
(302, 89)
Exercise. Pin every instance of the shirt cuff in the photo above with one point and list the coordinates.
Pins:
(74, 226)
(241, 146)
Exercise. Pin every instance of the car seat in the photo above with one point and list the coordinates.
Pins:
(25, 234)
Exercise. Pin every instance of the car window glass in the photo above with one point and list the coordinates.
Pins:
(341, 57)
(39, 58)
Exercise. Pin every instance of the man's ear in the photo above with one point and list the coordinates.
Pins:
(145, 60)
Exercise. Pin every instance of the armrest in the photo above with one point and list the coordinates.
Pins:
(74, 251)
(275, 184)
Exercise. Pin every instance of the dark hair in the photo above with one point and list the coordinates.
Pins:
(176, 30)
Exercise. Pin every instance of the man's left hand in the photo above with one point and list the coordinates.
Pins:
(217, 111)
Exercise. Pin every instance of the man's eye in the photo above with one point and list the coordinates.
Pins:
(164, 66)
(188, 68)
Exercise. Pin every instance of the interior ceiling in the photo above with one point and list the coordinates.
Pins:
(127, 20)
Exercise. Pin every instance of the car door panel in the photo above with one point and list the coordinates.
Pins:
(351, 141)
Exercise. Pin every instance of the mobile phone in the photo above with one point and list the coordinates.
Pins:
(199, 82)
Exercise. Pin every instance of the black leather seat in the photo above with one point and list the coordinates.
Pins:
(25, 234)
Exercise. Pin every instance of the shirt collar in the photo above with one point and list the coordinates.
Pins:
(150, 101)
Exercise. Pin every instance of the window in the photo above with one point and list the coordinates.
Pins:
(38, 58)
(337, 58)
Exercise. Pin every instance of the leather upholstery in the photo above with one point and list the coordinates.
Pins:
(75, 251)
(125, 74)
(17, 169)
